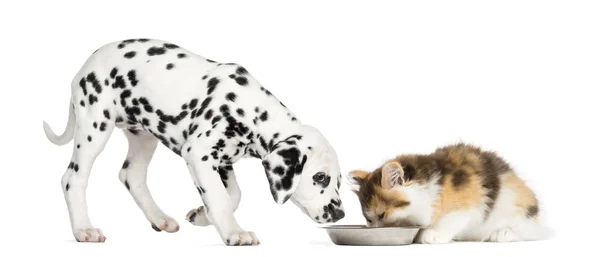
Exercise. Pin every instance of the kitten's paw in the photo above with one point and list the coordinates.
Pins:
(242, 238)
(165, 224)
(198, 217)
(502, 235)
(89, 235)
(430, 236)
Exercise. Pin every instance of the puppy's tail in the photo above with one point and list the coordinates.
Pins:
(67, 134)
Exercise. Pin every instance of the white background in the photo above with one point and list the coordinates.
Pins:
(378, 78)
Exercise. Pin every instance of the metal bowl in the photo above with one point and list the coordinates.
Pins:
(363, 235)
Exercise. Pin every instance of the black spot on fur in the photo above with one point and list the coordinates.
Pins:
(223, 173)
(127, 185)
(76, 167)
(181, 55)
(119, 82)
(170, 66)
(91, 77)
(171, 46)
(92, 99)
(89, 138)
(224, 109)
(161, 127)
(106, 114)
(132, 78)
(78, 145)
(204, 77)
(95, 124)
(125, 94)
(208, 115)
(240, 112)
(144, 101)
(241, 71)
(67, 187)
(129, 55)
(113, 72)
(156, 51)
(230, 96)
(148, 108)
(83, 86)
(212, 84)
(125, 164)
(102, 126)
(264, 116)
(82, 103)
(193, 103)
(242, 81)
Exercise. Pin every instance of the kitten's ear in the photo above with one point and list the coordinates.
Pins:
(356, 177)
(392, 174)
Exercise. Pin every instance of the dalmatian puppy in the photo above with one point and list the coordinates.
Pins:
(209, 113)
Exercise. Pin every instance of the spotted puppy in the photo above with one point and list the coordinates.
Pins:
(209, 113)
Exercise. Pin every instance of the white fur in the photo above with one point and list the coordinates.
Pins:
(505, 223)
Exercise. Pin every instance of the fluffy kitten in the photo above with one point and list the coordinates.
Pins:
(459, 192)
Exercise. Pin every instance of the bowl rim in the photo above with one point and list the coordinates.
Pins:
(364, 227)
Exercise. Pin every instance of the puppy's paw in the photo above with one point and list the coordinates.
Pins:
(430, 236)
(242, 238)
(165, 223)
(502, 235)
(198, 217)
(89, 235)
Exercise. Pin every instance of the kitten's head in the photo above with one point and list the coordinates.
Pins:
(382, 203)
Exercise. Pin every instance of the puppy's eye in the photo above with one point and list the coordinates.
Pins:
(319, 177)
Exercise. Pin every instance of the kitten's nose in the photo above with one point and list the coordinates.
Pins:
(337, 215)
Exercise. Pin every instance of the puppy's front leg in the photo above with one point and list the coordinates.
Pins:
(218, 205)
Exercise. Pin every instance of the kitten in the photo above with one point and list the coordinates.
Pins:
(458, 192)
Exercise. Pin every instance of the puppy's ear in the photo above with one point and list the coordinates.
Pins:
(391, 175)
(283, 167)
(356, 177)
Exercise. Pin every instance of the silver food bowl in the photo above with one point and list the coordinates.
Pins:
(363, 235)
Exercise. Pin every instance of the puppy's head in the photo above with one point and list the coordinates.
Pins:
(381, 202)
(304, 168)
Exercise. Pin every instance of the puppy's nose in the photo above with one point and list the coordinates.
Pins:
(337, 215)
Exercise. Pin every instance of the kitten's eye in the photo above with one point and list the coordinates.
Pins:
(319, 177)
(381, 216)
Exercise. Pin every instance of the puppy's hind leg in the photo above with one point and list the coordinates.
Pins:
(92, 131)
(133, 175)
(199, 216)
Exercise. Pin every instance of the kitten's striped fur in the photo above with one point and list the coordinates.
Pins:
(459, 192)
